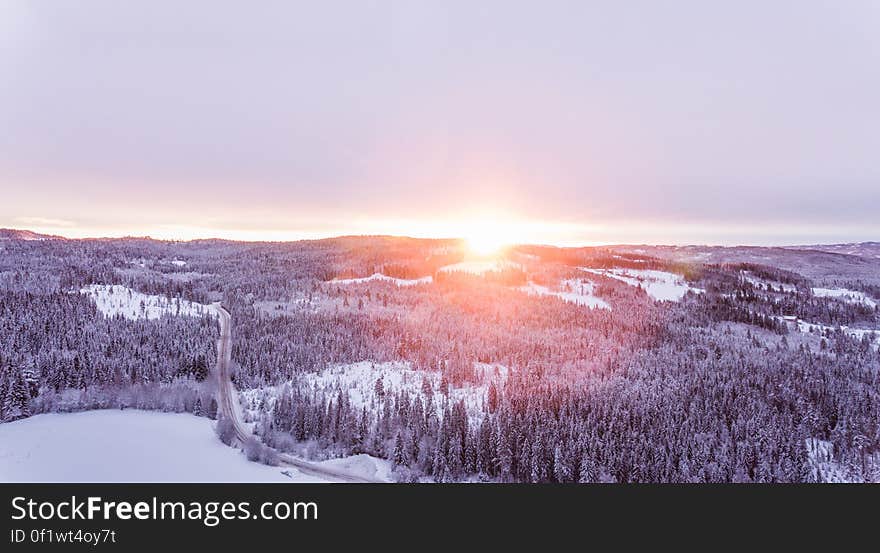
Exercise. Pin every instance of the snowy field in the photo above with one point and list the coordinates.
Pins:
(381, 277)
(843, 294)
(126, 446)
(115, 300)
(660, 285)
(571, 291)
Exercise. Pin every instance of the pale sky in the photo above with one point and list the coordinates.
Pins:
(565, 122)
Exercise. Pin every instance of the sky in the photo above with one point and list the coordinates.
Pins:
(580, 122)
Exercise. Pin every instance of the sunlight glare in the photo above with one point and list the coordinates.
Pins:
(488, 238)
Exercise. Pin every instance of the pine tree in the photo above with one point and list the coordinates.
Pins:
(399, 456)
(414, 448)
(430, 412)
(470, 452)
(561, 471)
(417, 417)
(4, 389)
(197, 407)
(538, 468)
(16, 404)
(493, 398)
(588, 471)
(23, 396)
(363, 431)
(505, 457)
(200, 369)
(212, 409)
(32, 381)
(439, 469)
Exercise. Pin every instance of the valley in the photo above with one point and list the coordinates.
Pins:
(364, 359)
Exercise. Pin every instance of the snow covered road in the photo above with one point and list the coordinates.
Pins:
(229, 407)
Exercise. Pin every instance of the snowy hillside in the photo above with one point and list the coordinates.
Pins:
(660, 285)
(764, 284)
(125, 446)
(113, 300)
(571, 291)
(872, 335)
(481, 266)
(844, 294)
(822, 463)
(381, 277)
(571, 368)
(358, 381)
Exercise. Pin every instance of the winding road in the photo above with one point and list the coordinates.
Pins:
(229, 408)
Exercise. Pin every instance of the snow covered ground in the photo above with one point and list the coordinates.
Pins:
(843, 294)
(857, 333)
(570, 290)
(763, 284)
(126, 446)
(358, 380)
(364, 465)
(381, 277)
(142, 446)
(481, 266)
(821, 461)
(113, 300)
(660, 285)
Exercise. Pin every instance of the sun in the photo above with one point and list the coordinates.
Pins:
(485, 245)
(487, 239)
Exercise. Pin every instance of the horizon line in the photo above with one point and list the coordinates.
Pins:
(55, 236)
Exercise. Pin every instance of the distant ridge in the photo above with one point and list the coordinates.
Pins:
(21, 234)
(860, 249)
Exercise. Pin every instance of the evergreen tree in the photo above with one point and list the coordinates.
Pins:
(561, 471)
(587, 471)
(399, 455)
(200, 369)
(212, 409)
(16, 404)
(32, 381)
(414, 448)
(492, 400)
(4, 391)
(439, 468)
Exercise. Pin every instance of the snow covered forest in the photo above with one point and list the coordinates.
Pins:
(622, 364)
